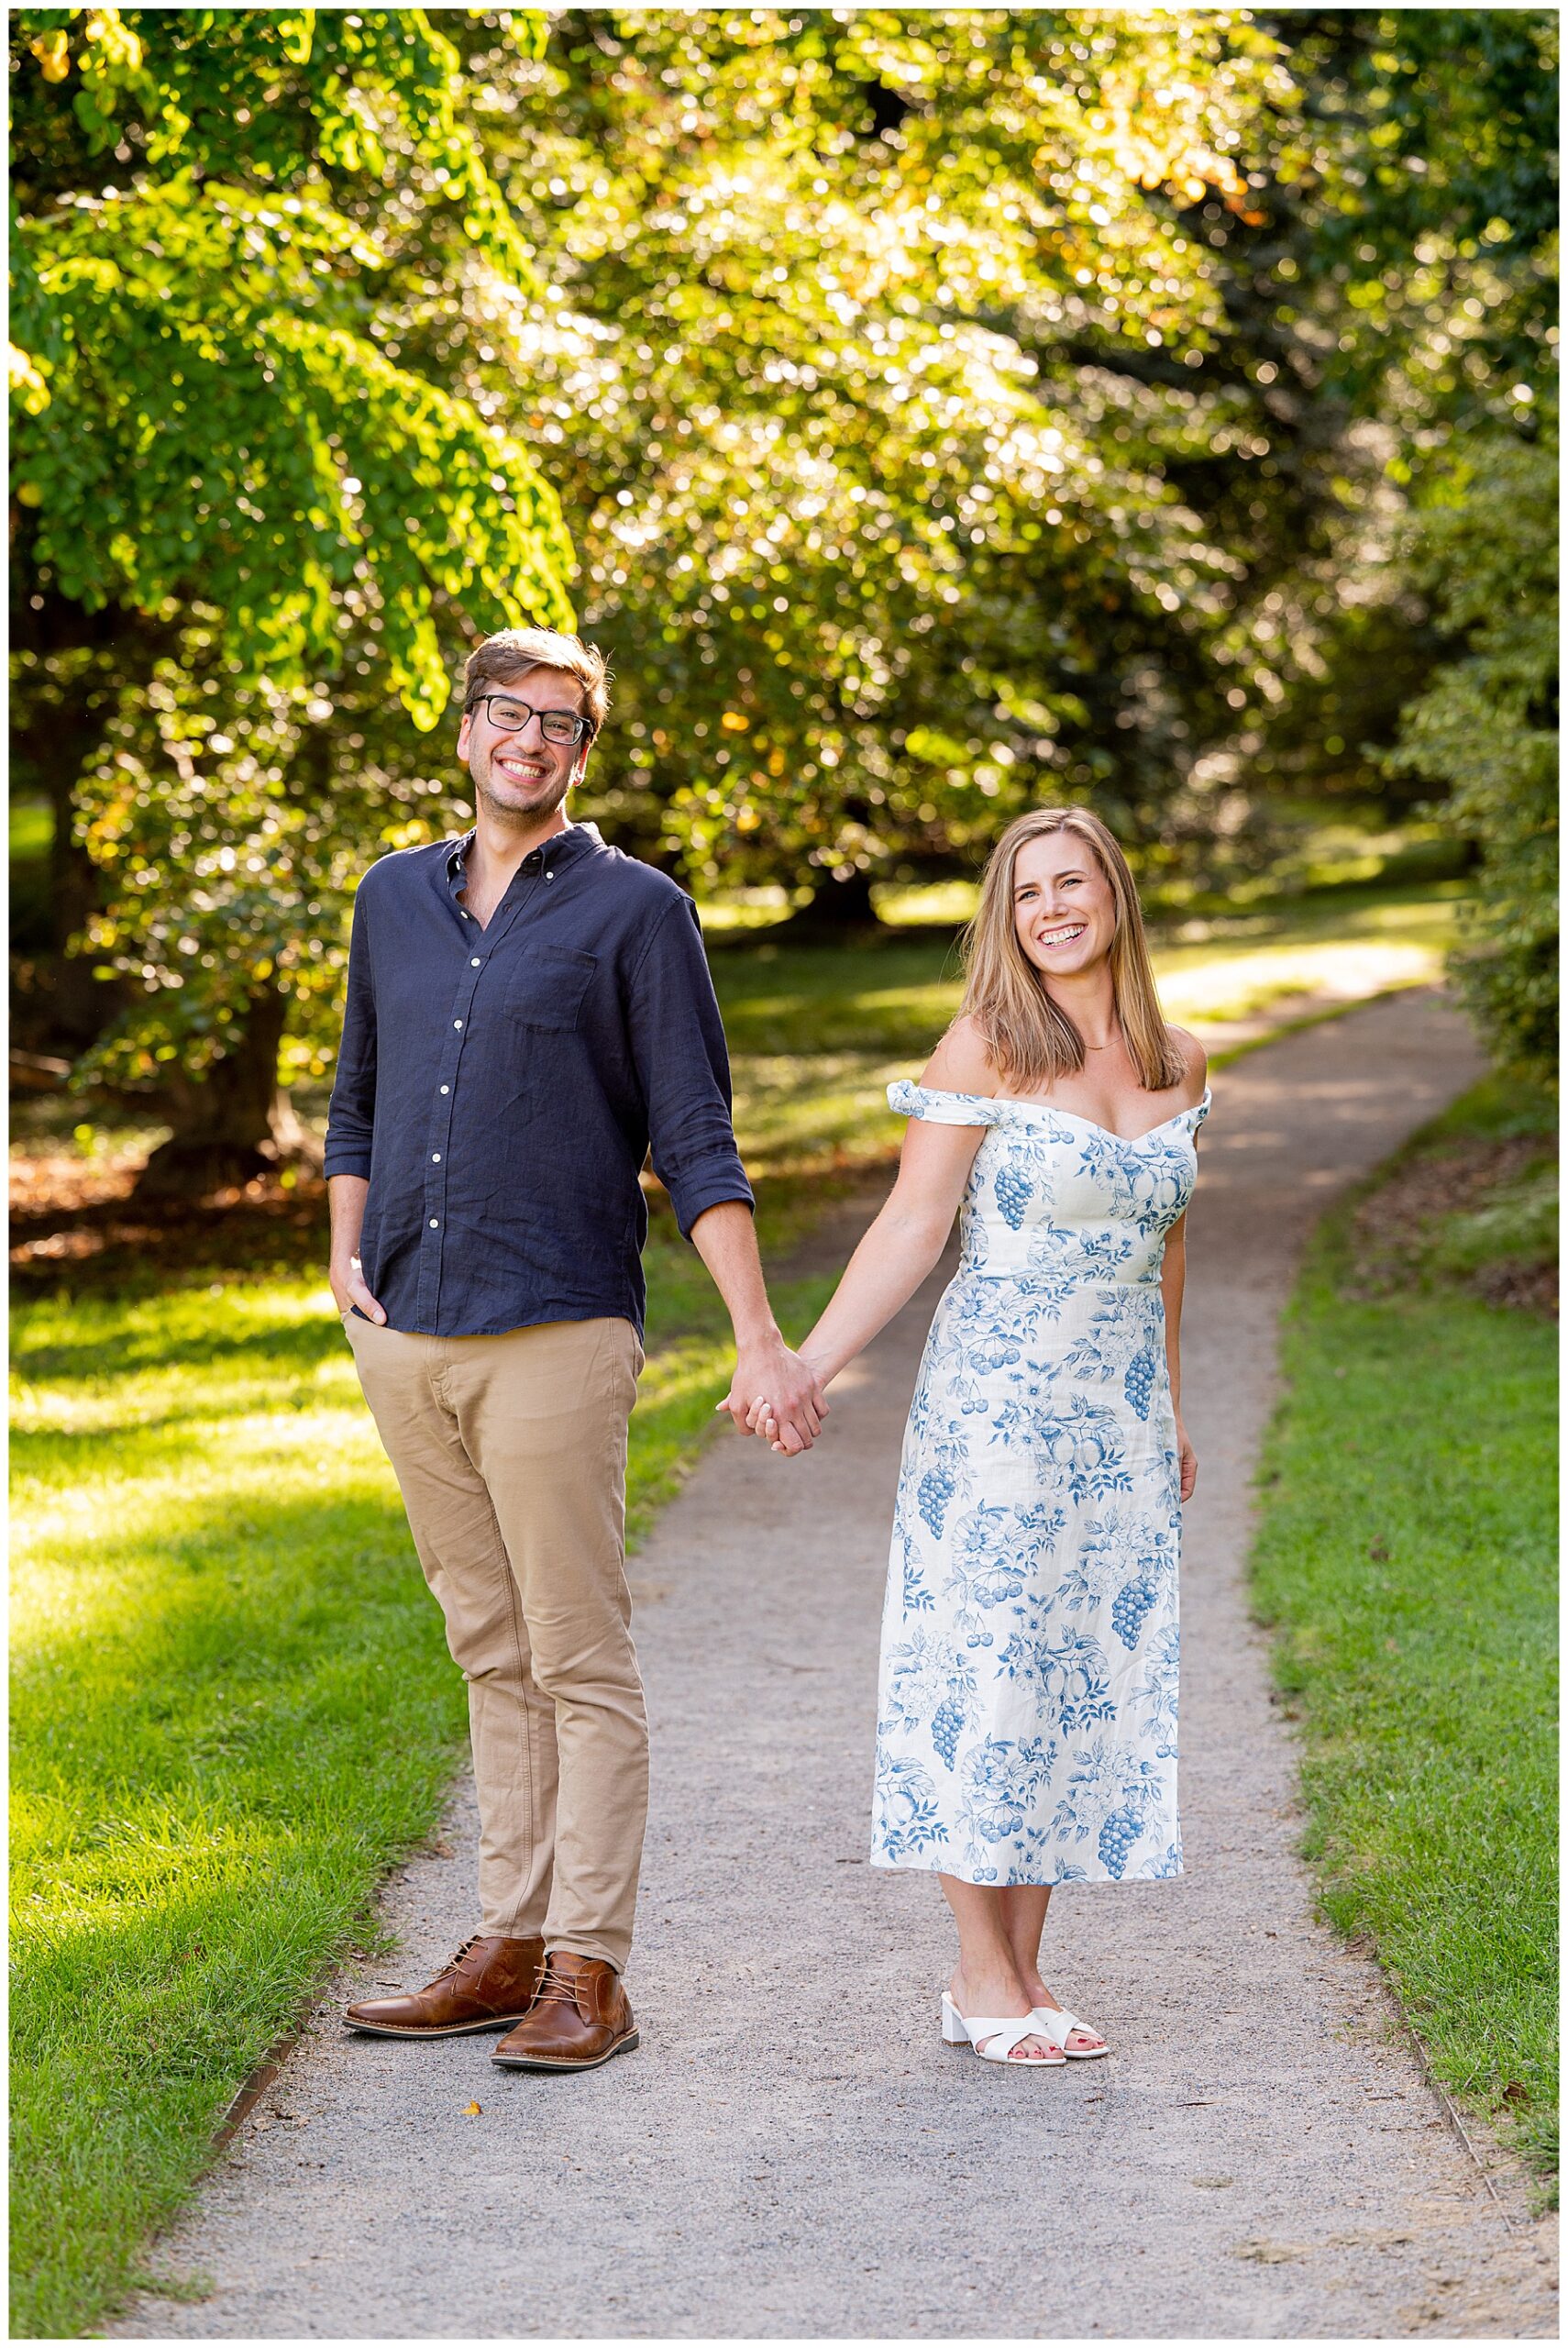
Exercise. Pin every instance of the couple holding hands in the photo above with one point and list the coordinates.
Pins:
(529, 1014)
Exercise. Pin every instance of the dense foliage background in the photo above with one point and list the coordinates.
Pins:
(931, 413)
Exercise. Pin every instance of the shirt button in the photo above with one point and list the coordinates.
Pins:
(473, 962)
(549, 876)
(457, 1023)
(435, 1222)
(435, 1158)
(445, 1088)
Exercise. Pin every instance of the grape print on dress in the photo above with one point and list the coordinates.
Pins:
(1027, 1718)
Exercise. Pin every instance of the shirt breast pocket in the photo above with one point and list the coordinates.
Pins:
(545, 985)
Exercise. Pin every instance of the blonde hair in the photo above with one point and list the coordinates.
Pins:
(1030, 1037)
(504, 658)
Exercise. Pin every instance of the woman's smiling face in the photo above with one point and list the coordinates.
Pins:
(1062, 906)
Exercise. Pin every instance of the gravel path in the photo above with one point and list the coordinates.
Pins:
(792, 2153)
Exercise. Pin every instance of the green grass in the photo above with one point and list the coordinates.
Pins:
(1406, 1556)
(232, 1710)
(1517, 1225)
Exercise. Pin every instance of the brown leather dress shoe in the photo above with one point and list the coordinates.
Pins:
(580, 2018)
(489, 1982)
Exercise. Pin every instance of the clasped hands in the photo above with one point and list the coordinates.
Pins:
(778, 1395)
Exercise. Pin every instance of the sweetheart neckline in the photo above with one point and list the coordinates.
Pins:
(1049, 1109)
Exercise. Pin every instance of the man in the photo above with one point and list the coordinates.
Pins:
(527, 1011)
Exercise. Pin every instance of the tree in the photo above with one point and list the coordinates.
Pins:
(1421, 282)
(960, 409)
(1487, 727)
(880, 349)
(954, 409)
(220, 448)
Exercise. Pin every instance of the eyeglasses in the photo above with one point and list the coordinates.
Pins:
(509, 716)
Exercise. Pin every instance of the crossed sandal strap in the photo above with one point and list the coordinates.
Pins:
(1057, 2025)
(1001, 2035)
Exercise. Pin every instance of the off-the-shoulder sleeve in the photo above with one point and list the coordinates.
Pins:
(908, 1099)
(1202, 1109)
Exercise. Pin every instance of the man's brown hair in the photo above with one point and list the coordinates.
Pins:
(506, 658)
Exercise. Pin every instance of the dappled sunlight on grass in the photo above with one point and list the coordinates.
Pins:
(96, 1519)
(802, 1110)
(1423, 916)
(933, 903)
(151, 1402)
(1214, 993)
(279, 1327)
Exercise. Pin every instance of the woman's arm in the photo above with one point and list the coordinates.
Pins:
(1173, 1282)
(1173, 1271)
(902, 1247)
(1173, 1277)
(906, 1241)
(1173, 1285)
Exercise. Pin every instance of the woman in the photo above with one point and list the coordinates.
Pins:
(1026, 1726)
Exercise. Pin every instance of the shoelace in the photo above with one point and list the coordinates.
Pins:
(453, 1963)
(560, 1986)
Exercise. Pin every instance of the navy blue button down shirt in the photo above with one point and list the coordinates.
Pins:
(500, 1087)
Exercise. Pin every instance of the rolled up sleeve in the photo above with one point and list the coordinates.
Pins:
(351, 1116)
(677, 1046)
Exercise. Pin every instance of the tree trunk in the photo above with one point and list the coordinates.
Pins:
(233, 1124)
(839, 909)
(59, 718)
(81, 1005)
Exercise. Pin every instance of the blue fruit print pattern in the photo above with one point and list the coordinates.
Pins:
(909, 1821)
(1157, 1690)
(1132, 1603)
(947, 1727)
(1013, 1192)
(936, 1488)
(1117, 1836)
(1143, 1371)
(1027, 1712)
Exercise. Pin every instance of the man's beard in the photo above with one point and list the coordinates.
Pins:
(507, 811)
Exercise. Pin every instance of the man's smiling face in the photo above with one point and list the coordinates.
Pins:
(517, 775)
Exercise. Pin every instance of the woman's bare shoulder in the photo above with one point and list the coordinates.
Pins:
(1195, 1062)
(962, 1063)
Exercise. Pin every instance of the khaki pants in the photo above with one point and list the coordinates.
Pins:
(511, 1456)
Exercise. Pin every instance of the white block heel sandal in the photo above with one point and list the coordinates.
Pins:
(1057, 2025)
(1000, 2034)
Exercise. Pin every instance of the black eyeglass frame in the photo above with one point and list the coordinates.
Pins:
(583, 726)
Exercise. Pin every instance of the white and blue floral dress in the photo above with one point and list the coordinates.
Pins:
(1026, 1726)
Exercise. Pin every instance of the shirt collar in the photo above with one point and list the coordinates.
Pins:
(559, 849)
